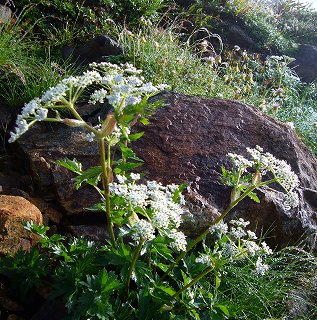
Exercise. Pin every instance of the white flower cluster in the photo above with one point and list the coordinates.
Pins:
(142, 230)
(260, 267)
(156, 200)
(204, 259)
(236, 233)
(266, 162)
(32, 110)
(120, 85)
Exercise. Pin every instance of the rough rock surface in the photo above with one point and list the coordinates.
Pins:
(188, 140)
(5, 14)
(95, 50)
(237, 35)
(42, 146)
(13, 211)
(305, 64)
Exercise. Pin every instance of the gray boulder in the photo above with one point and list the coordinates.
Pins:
(95, 50)
(305, 64)
(5, 14)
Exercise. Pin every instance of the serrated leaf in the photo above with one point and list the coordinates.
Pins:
(144, 121)
(254, 197)
(128, 166)
(72, 165)
(135, 136)
(90, 176)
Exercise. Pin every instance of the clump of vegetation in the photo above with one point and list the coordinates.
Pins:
(148, 267)
(26, 69)
(268, 84)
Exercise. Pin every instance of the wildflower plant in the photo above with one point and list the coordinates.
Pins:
(148, 267)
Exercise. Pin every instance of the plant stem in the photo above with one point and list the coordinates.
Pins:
(132, 264)
(105, 183)
(203, 235)
(197, 278)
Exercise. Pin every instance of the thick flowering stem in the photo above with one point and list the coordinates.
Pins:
(105, 182)
(197, 278)
(204, 234)
(135, 256)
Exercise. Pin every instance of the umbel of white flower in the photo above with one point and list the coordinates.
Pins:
(266, 163)
(121, 85)
(163, 213)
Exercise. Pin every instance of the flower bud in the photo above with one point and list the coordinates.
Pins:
(256, 178)
(109, 125)
(73, 122)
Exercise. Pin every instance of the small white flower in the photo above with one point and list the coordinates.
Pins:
(98, 96)
(179, 240)
(291, 200)
(266, 249)
(90, 137)
(142, 230)
(252, 247)
(237, 232)
(260, 267)
(239, 161)
(148, 88)
(132, 100)
(135, 176)
(41, 114)
(121, 179)
(219, 228)
(240, 223)
(204, 259)
(251, 235)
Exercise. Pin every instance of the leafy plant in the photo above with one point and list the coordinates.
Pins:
(149, 264)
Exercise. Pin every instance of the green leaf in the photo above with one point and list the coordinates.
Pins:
(128, 153)
(254, 197)
(128, 166)
(72, 165)
(144, 121)
(170, 291)
(136, 136)
(224, 309)
(217, 281)
(90, 176)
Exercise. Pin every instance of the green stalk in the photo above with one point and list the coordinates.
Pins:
(132, 264)
(105, 183)
(197, 278)
(203, 235)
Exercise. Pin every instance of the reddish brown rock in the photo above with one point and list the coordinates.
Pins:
(188, 140)
(13, 211)
(41, 147)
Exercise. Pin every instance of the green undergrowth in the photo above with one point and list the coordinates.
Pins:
(190, 68)
(74, 271)
(26, 69)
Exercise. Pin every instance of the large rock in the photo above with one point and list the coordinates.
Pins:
(5, 14)
(95, 50)
(238, 35)
(13, 211)
(187, 142)
(41, 147)
(305, 64)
